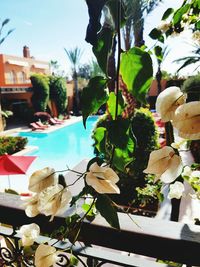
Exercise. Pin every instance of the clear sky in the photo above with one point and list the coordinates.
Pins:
(47, 26)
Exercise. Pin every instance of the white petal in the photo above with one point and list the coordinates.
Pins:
(168, 101)
(174, 169)
(158, 160)
(176, 190)
(187, 120)
(42, 179)
(45, 256)
(101, 186)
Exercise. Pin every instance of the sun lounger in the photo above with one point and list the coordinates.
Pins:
(54, 122)
(36, 127)
(40, 124)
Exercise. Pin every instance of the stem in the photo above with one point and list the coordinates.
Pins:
(118, 59)
(118, 68)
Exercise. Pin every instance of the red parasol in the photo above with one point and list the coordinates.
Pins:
(12, 165)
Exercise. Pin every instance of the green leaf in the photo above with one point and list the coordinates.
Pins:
(94, 9)
(104, 206)
(123, 157)
(103, 47)
(179, 14)
(112, 102)
(100, 139)
(167, 13)
(197, 25)
(136, 71)
(113, 7)
(156, 34)
(158, 52)
(118, 134)
(93, 96)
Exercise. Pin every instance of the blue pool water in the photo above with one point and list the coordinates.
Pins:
(66, 146)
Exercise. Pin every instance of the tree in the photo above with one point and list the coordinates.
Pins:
(74, 56)
(54, 66)
(1, 41)
(136, 11)
(1, 29)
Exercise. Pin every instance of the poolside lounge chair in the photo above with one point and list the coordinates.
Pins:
(54, 122)
(36, 127)
(40, 124)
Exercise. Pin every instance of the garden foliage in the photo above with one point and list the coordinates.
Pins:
(12, 144)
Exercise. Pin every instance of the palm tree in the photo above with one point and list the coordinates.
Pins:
(1, 29)
(1, 41)
(136, 11)
(190, 60)
(74, 56)
(54, 66)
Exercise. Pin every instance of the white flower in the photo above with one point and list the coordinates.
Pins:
(187, 120)
(186, 171)
(176, 190)
(102, 179)
(41, 179)
(168, 101)
(31, 205)
(165, 164)
(53, 199)
(45, 256)
(30, 233)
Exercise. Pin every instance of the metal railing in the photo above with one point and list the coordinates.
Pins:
(98, 243)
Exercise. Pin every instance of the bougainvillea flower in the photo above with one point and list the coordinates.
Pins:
(176, 190)
(165, 164)
(187, 120)
(30, 233)
(102, 179)
(53, 199)
(41, 179)
(31, 205)
(168, 101)
(45, 255)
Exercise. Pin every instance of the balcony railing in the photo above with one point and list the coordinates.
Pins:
(100, 243)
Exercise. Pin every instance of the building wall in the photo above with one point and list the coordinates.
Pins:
(16, 71)
(15, 75)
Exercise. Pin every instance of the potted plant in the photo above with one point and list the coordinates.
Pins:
(5, 115)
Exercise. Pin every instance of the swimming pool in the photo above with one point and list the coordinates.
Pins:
(66, 146)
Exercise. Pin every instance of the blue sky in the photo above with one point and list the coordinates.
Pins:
(47, 26)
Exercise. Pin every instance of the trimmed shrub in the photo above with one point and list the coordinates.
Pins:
(40, 96)
(192, 87)
(58, 93)
(12, 144)
(144, 129)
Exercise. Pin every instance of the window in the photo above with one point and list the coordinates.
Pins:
(11, 77)
(21, 77)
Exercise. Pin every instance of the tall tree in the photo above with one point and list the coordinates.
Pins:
(74, 56)
(3, 24)
(136, 11)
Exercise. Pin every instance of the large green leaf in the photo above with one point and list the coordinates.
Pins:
(106, 209)
(113, 6)
(94, 9)
(93, 96)
(136, 71)
(122, 157)
(100, 140)
(118, 132)
(156, 34)
(103, 47)
(112, 104)
(167, 13)
(179, 14)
